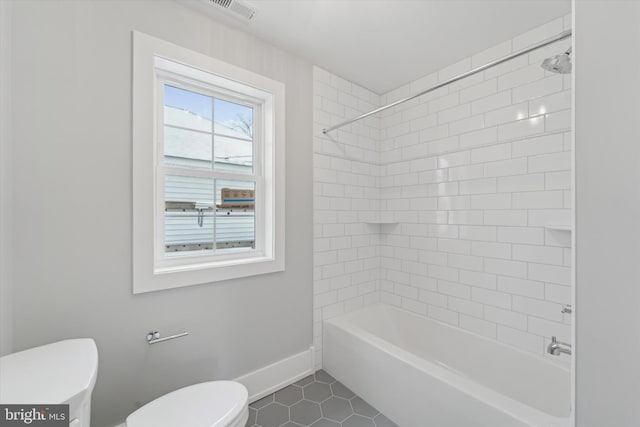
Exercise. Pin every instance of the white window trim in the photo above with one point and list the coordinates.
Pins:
(147, 274)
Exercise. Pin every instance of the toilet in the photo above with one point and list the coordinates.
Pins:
(209, 404)
(65, 373)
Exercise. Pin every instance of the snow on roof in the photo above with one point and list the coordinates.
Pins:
(231, 145)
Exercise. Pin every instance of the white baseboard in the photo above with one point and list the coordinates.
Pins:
(265, 381)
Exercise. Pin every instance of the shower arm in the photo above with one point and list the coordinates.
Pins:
(561, 36)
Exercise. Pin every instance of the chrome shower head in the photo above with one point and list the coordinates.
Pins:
(558, 63)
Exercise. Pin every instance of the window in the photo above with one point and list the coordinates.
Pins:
(208, 169)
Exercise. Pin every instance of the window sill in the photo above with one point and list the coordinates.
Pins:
(188, 275)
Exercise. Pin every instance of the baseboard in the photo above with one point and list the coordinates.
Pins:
(265, 381)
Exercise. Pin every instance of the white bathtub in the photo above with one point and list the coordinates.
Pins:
(423, 373)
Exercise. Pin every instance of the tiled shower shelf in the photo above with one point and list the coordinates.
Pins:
(558, 227)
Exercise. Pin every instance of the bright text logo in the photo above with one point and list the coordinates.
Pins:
(34, 415)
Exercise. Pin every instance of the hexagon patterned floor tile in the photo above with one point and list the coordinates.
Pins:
(315, 401)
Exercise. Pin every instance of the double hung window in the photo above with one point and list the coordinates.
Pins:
(208, 172)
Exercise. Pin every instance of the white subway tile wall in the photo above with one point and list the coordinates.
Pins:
(347, 198)
(468, 176)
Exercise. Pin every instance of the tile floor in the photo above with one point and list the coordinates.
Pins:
(317, 400)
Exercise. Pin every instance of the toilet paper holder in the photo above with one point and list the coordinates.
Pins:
(153, 337)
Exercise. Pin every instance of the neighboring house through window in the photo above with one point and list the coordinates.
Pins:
(200, 212)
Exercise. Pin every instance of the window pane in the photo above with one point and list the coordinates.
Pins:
(233, 137)
(235, 225)
(188, 128)
(187, 148)
(189, 222)
(187, 109)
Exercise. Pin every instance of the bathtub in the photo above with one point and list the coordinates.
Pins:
(423, 373)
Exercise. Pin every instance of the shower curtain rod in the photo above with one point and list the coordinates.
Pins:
(561, 36)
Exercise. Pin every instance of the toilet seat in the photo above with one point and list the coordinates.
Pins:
(210, 404)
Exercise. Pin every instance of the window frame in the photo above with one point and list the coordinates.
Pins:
(164, 263)
(156, 62)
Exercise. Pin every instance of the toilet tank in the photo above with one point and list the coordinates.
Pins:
(60, 373)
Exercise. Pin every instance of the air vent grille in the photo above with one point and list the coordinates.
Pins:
(221, 3)
(242, 9)
(236, 8)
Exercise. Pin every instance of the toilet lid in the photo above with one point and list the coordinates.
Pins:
(210, 404)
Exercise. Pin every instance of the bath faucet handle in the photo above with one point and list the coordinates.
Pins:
(567, 309)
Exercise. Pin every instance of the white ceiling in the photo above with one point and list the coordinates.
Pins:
(384, 44)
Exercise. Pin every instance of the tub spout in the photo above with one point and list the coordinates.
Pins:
(557, 347)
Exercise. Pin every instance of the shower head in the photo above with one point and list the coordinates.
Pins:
(558, 63)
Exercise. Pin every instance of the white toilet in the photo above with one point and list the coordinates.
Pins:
(210, 404)
(60, 373)
(65, 372)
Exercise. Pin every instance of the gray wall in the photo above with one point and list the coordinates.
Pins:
(72, 163)
(607, 111)
(6, 184)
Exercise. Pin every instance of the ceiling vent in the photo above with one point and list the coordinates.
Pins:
(236, 8)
